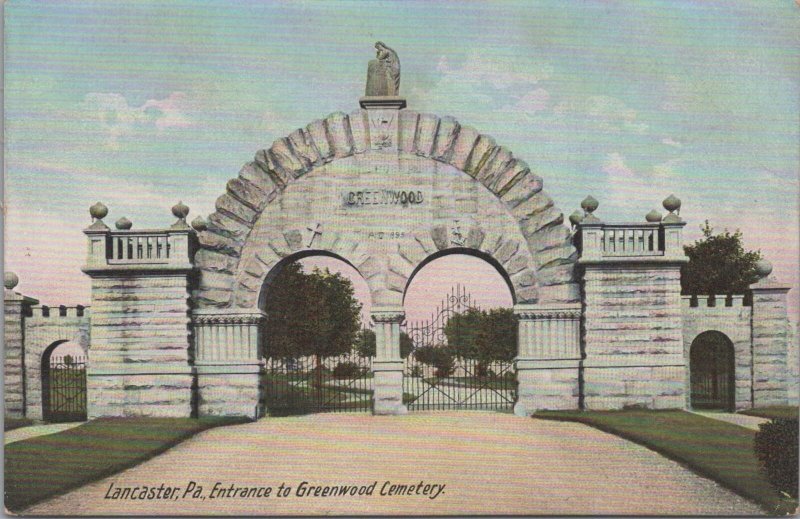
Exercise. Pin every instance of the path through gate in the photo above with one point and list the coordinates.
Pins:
(317, 385)
(439, 374)
(64, 389)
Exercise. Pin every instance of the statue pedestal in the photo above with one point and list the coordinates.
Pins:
(382, 102)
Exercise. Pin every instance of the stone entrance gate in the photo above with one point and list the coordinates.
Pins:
(384, 190)
(177, 320)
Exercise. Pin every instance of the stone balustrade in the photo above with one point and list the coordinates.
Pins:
(148, 248)
(138, 247)
(719, 300)
(44, 311)
(600, 241)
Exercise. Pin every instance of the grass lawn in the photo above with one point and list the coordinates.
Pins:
(39, 468)
(775, 411)
(718, 450)
(10, 424)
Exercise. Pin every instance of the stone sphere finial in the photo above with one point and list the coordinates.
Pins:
(653, 216)
(180, 210)
(199, 225)
(672, 203)
(575, 218)
(10, 280)
(763, 268)
(98, 211)
(589, 204)
(123, 224)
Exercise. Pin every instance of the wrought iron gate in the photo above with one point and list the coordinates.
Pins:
(314, 385)
(64, 389)
(438, 375)
(711, 364)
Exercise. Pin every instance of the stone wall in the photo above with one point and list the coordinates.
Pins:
(139, 361)
(734, 322)
(14, 337)
(771, 334)
(633, 336)
(43, 331)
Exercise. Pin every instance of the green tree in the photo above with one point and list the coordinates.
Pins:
(310, 314)
(483, 335)
(439, 356)
(718, 264)
(366, 343)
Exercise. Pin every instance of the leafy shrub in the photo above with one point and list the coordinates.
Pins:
(416, 371)
(346, 369)
(776, 449)
(440, 357)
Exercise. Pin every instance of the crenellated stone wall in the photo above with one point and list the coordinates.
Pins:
(734, 322)
(45, 329)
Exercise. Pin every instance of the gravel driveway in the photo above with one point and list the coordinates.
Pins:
(489, 463)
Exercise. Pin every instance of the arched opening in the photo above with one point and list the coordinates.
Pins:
(712, 375)
(317, 308)
(456, 264)
(63, 371)
(461, 333)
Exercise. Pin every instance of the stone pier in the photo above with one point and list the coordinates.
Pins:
(633, 330)
(770, 339)
(387, 367)
(228, 362)
(140, 328)
(549, 357)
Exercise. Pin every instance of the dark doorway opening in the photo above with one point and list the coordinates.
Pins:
(712, 375)
(63, 383)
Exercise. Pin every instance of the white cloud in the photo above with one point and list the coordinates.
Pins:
(500, 70)
(118, 118)
(671, 142)
(604, 113)
(534, 101)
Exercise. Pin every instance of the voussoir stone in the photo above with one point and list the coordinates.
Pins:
(445, 138)
(303, 146)
(319, 136)
(232, 207)
(337, 125)
(359, 127)
(427, 127)
(247, 193)
(407, 129)
(264, 160)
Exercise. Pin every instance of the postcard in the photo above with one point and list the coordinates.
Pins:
(401, 258)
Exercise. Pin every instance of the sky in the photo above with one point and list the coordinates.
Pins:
(141, 104)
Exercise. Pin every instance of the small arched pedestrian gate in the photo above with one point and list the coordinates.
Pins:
(63, 386)
(712, 376)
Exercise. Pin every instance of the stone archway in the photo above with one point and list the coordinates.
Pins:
(63, 382)
(384, 189)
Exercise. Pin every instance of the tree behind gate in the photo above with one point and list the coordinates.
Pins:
(310, 314)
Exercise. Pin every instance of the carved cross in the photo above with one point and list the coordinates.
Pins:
(314, 233)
